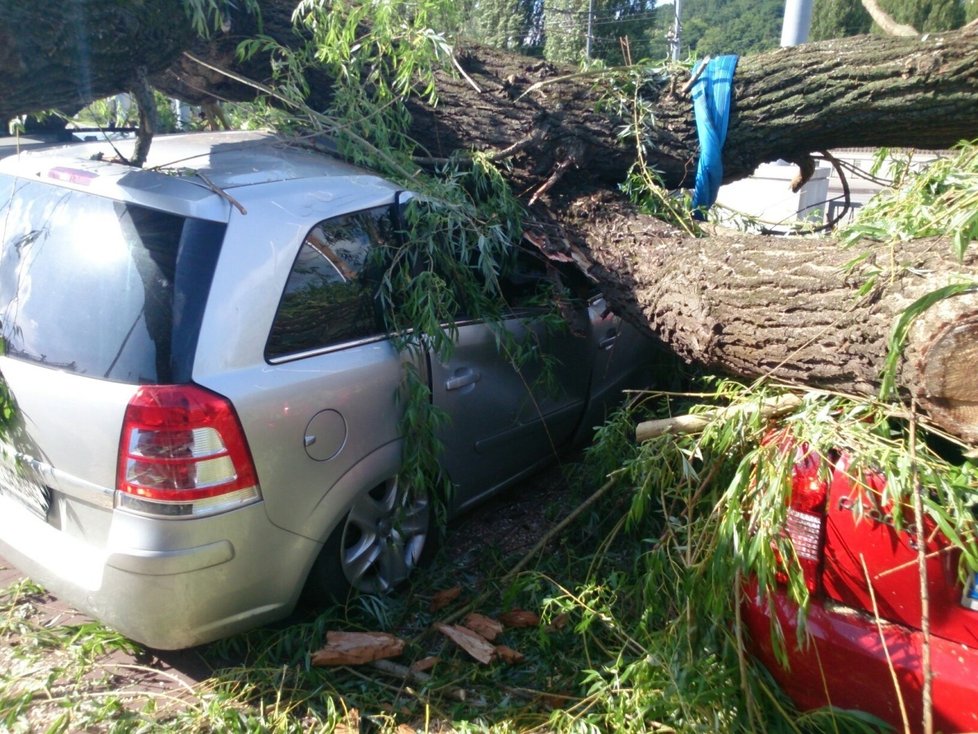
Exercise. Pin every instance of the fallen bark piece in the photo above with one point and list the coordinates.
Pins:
(443, 598)
(474, 644)
(425, 664)
(508, 655)
(519, 619)
(483, 625)
(357, 648)
(559, 622)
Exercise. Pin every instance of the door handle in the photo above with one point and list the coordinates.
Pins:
(609, 341)
(462, 378)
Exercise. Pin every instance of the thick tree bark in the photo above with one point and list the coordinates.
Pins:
(865, 91)
(63, 55)
(746, 305)
(789, 308)
(787, 103)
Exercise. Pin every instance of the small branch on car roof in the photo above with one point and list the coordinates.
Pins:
(221, 192)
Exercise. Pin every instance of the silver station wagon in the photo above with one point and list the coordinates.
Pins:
(204, 401)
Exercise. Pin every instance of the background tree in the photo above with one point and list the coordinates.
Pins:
(565, 30)
(926, 16)
(514, 25)
(838, 18)
(731, 26)
(628, 26)
(841, 18)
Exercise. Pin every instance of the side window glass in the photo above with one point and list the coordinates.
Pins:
(533, 280)
(528, 280)
(329, 298)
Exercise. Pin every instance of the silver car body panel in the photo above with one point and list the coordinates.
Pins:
(261, 245)
(168, 584)
(71, 424)
(322, 427)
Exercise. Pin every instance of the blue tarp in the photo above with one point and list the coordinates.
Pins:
(712, 94)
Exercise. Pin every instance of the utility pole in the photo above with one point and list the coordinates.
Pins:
(797, 22)
(590, 16)
(675, 35)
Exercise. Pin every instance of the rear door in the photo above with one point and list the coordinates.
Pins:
(507, 414)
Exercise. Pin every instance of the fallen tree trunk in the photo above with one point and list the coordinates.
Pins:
(746, 305)
(867, 91)
(57, 55)
(788, 308)
(787, 103)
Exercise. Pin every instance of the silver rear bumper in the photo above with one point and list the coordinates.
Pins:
(168, 584)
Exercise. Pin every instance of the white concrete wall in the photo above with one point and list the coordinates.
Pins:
(767, 196)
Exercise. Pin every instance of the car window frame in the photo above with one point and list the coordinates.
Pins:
(332, 258)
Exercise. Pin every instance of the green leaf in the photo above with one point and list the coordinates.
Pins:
(898, 335)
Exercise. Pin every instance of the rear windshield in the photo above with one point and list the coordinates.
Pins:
(100, 287)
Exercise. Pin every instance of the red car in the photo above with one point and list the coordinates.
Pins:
(865, 647)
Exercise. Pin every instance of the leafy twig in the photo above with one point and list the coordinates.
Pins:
(918, 512)
(536, 549)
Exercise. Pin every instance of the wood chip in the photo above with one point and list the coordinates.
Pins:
(519, 618)
(425, 664)
(483, 625)
(474, 644)
(559, 622)
(555, 700)
(357, 648)
(443, 598)
(508, 655)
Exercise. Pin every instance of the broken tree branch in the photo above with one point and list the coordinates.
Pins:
(884, 21)
(694, 423)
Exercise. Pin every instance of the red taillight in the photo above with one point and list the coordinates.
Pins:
(806, 512)
(805, 518)
(183, 453)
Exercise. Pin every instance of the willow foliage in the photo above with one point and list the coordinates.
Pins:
(942, 199)
(462, 223)
(708, 511)
(711, 507)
